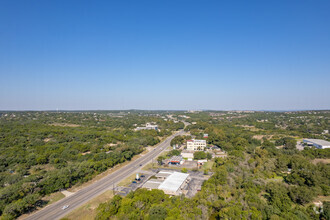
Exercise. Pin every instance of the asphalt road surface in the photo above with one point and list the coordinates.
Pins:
(55, 211)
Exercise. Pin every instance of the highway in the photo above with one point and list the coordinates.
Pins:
(54, 211)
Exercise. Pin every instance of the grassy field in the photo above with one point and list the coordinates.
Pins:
(208, 165)
(127, 181)
(151, 166)
(275, 179)
(54, 197)
(88, 211)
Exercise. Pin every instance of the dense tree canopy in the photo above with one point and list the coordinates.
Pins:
(43, 152)
(263, 177)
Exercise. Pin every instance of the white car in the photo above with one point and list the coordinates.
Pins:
(65, 207)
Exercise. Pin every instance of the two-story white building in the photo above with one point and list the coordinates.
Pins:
(195, 145)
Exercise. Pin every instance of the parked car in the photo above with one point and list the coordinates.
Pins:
(134, 181)
(142, 176)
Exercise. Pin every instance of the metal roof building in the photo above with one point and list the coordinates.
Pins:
(163, 174)
(172, 183)
(152, 184)
(176, 160)
(318, 143)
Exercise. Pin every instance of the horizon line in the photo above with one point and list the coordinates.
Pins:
(91, 110)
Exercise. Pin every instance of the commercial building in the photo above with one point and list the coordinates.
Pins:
(318, 143)
(176, 160)
(174, 183)
(152, 184)
(148, 126)
(201, 162)
(170, 182)
(151, 127)
(162, 175)
(196, 144)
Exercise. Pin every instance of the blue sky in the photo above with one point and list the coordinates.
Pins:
(164, 54)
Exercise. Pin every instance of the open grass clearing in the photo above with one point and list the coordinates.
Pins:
(54, 197)
(208, 165)
(150, 166)
(88, 211)
(126, 182)
(65, 125)
(275, 179)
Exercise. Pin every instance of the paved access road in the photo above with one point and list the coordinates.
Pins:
(55, 211)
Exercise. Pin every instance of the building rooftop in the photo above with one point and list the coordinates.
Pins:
(319, 142)
(164, 174)
(173, 182)
(176, 158)
(197, 141)
(152, 184)
(187, 151)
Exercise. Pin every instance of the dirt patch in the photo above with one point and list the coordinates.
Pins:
(111, 145)
(260, 137)
(249, 127)
(325, 161)
(65, 125)
(67, 193)
(149, 148)
(37, 168)
(88, 152)
(323, 198)
(47, 140)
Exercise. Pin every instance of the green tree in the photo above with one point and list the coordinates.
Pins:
(278, 197)
(199, 155)
(157, 212)
(174, 153)
(290, 144)
(160, 160)
(301, 194)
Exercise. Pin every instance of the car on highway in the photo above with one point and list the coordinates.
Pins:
(65, 207)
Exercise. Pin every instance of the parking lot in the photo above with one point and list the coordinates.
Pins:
(196, 179)
(123, 191)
